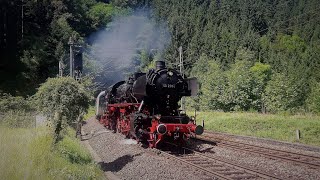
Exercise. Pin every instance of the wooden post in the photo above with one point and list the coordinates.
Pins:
(298, 134)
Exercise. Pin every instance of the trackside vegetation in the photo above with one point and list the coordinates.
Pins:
(257, 63)
(29, 151)
(64, 101)
(247, 55)
(91, 113)
(279, 127)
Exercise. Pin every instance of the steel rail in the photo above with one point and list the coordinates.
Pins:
(275, 153)
(233, 169)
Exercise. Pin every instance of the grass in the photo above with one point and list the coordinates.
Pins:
(30, 154)
(91, 113)
(27, 152)
(278, 127)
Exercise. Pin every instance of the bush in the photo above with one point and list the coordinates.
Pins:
(101, 14)
(272, 126)
(239, 88)
(283, 93)
(18, 119)
(237, 91)
(313, 100)
(260, 76)
(9, 103)
(63, 101)
(211, 83)
(16, 112)
(29, 154)
(70, 149)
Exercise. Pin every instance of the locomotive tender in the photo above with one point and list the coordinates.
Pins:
(145, 107)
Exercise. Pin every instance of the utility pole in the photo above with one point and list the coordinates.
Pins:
(180, 59)
(71, 43)
(76, 59)
(22, 17)
(77, 62)
(181, 72)
(61, 67)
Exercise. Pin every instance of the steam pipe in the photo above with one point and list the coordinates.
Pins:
(102, 93)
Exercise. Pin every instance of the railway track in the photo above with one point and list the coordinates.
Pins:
(214, 168)
(311, 161)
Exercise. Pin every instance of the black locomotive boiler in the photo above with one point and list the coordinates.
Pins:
(145, 106)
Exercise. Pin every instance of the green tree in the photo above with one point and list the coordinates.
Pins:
(237, 93)
(313, 100)
(101, 14)
(63, 101)
(261, 74)
(211, 81)
(282, 94)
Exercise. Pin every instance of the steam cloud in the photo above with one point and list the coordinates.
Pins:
(116, 48)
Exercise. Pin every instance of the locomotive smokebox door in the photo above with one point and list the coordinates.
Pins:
(193, 85)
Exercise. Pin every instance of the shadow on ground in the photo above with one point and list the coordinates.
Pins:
(117, 164)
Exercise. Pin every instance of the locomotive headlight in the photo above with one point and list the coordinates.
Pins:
(170, 73)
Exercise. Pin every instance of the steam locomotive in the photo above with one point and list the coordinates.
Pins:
(145, 107)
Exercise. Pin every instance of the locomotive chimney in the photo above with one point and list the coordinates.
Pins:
(160, 65)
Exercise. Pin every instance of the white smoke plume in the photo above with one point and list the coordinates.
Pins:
(117, 47)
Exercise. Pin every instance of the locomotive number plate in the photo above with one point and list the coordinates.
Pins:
(169, 85)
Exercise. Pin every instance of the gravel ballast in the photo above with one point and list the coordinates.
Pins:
(128, 160)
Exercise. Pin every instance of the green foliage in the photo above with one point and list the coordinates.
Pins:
(151, 65)
(271, 33)
(282, 93)
(236, 95)
(101, 14)
(18, 119)
(120, 3)
(125, 3)
(63, 101)
(29, 154)
(313, 101)
(291, 44)
(260, 76)
(239, 88)
(47, 27)
(278, 127)
(70, 149)
(144, 59)
(91, 113)
(10, 103)
(16, 112)
(211, 82)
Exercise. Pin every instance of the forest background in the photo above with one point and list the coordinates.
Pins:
(248, 55)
